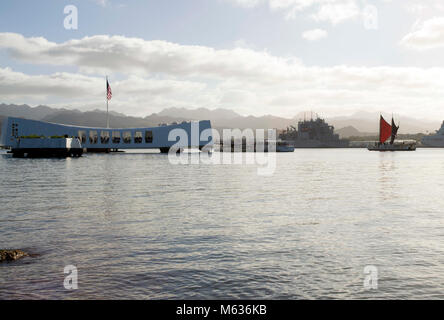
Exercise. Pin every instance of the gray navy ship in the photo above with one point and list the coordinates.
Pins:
(313, 133)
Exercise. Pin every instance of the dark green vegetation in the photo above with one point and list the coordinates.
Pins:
(32, 136)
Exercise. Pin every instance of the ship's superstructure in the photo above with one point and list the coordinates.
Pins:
(434, 140)
(313, 133)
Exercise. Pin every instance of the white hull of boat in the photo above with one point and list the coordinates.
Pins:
(400, 146)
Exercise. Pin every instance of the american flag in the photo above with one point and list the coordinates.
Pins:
(109, 94)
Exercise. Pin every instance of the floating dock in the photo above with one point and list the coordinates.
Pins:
(47, 147)
(255, 146)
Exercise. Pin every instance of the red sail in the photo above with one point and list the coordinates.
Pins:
(385, 130)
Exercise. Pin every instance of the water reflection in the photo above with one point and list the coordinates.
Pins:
(388, 182)
(138, 227)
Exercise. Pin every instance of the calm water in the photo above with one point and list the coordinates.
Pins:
(138, 227)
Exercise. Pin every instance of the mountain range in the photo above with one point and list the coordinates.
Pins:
(361, 123)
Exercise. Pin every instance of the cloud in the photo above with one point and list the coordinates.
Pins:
(428, 35)
(17, 84)
(102, 3)
(246, 3)
(133, 95)
(337, 12)
(147, 76)
(333, 11)
(423, 8)
(104, 54)
(415, 8)
(314, 35)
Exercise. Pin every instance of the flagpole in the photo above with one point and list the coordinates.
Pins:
(106, 96)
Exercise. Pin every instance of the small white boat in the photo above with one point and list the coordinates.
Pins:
(284, 146)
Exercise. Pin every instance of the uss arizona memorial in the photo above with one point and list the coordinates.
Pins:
(189, 134)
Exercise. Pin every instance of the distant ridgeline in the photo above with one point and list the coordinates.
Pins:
(355, 125)
(220, 118)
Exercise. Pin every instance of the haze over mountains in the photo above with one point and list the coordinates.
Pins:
(361, 123)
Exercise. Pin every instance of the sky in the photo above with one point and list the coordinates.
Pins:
(255, 57)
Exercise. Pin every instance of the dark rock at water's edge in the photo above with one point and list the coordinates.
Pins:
(12, 255)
